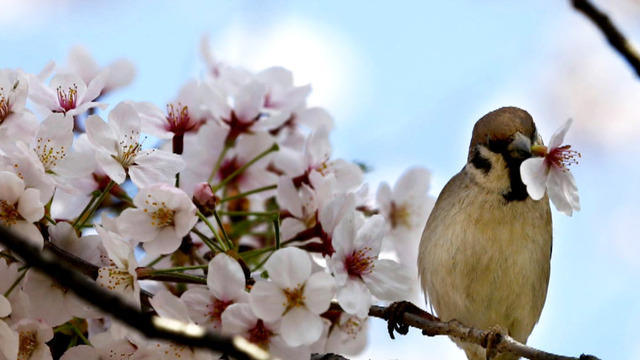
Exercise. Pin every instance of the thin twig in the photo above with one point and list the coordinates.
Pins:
(613, 35)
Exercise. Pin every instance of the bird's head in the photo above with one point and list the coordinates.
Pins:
(501, 141)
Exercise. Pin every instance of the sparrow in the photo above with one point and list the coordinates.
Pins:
(484, 256)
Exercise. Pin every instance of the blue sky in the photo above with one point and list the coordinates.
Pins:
(405, 81)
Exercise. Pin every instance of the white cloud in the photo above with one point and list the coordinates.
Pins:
(316, 54)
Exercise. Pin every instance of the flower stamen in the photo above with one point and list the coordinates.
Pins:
(5, 107)
(359, 262)
(562, 157)
(8, 214)
(295, 297)
(67, 99)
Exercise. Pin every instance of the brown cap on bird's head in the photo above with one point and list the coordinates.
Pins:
(500, 125)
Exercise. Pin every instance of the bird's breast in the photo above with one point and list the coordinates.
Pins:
(485, 261)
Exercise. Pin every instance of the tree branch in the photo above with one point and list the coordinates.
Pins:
(53, 266)
(454, 328)
(610, 31)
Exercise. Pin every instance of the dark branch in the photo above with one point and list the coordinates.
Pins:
(53, 266)
(613, 35)
(503, 343)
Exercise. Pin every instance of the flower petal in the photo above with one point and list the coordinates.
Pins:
(369, 237)
(355, 298)
(534, 173)
(11, 187)
(300, 327)
(165, 242)
(289, 267)
(558, 137)
(267, 300)
(225, 278)
(30, 206)
(288, 197)
(389, 280)
(136, 224)
(169, 306)
(238, 319)
(318, 292)
(563, 191)
(198, 301)
(29, 232)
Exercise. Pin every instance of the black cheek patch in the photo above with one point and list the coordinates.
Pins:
(480, 162)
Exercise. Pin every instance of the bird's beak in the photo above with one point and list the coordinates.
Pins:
(520, 147)
(538, 148)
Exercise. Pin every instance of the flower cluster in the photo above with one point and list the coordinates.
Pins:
(224, 205)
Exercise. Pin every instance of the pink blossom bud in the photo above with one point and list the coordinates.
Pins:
(203, 196)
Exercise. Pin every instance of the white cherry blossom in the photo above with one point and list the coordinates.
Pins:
(119, 73)
(226, 286)
(239, 319)
(20, 208)
(120, 275)
(67, 93)
(358, 271)
(16, 122)
(293, 295)
(163, 215)
(550, 173)
(119, 150)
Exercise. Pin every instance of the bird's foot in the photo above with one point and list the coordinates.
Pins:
(395, 313)
(493, 338)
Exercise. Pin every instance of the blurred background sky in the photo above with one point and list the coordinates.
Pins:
(405, 81)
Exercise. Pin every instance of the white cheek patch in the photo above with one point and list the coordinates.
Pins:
(497, 178)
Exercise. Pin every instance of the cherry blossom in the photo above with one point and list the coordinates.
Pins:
(67, 93)
(20, 208)
(119, 73)
(163, 215)
(550, 173)
(293, 295)
(348, 335)
(239, 319)
(16, 122)
(119, 151)
(357, 269)
(226, 286)
(120, 275)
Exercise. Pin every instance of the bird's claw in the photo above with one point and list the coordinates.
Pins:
(395, 313)
(492, 339)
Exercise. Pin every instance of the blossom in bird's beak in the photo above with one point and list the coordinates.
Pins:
(549, 171)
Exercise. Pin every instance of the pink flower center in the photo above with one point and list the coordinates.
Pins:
(8, 213)
(359, 262)
(67, 99)
(5, 108)
(216, 308)
(562, 157)
(260, 334)
(178, 119)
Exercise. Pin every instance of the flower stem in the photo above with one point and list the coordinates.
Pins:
(80, 221)
(218, 162)
(250, 254)
(211, 245)
(156, 260)
(276, 231)
(79, 333)
(249, 213)
(179, 268)
(245, 194)
(213, 229)
(94, 196)
(16, 282)
(241, 169)
(224, 232)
